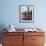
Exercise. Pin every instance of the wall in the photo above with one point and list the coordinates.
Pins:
(9, 13)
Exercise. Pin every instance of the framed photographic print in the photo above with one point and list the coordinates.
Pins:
(26, 13)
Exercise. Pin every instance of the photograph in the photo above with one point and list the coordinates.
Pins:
(26, 13)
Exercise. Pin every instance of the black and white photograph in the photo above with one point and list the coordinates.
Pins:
(26, 13)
